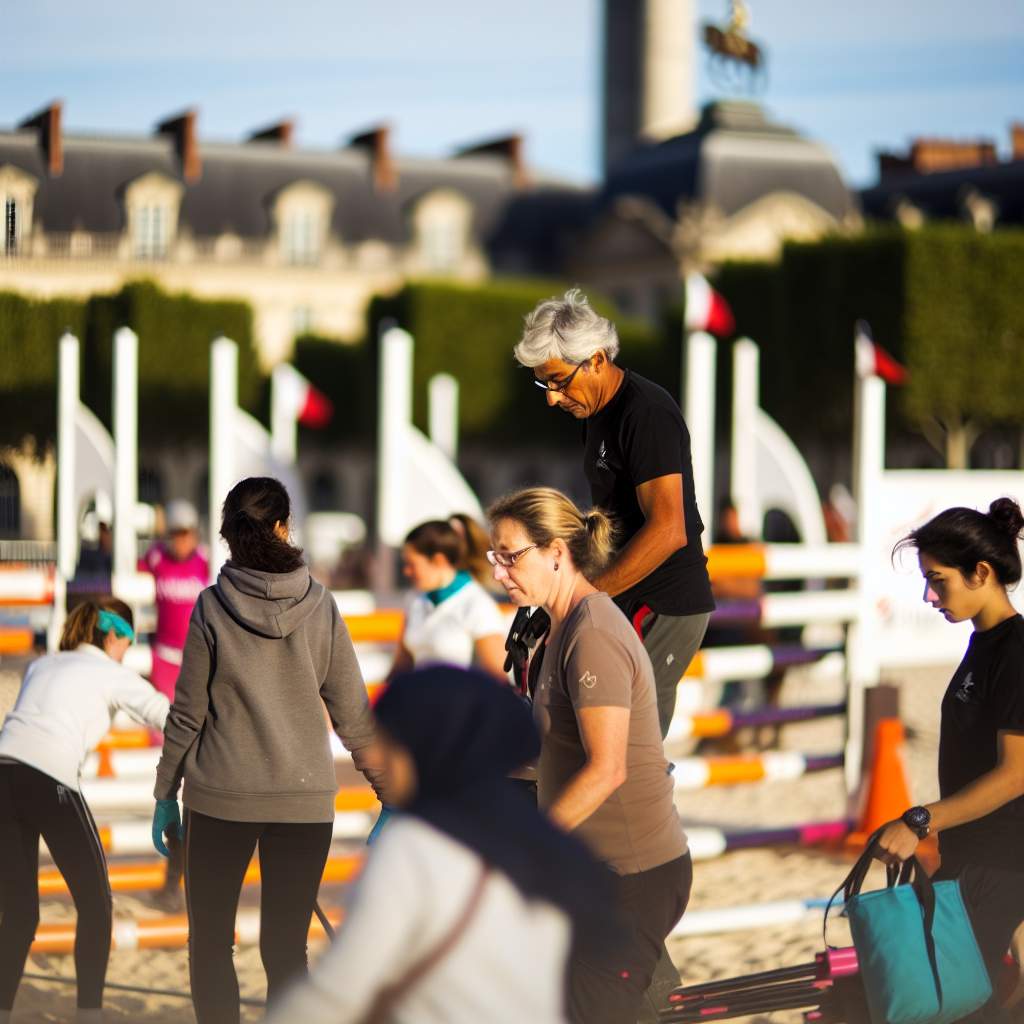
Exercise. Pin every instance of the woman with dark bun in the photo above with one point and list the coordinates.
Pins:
(266, 650)
(451, 619)
(968, 560)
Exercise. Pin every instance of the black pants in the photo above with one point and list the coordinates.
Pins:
(217, 854)
(671, 641)
(610, 989)
(994, 898)
(34, 804)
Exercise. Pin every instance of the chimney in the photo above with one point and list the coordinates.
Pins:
(377, 141)
(509, 148)
(280, 133)
(182, 128)
(47, 121)
(1017, 140)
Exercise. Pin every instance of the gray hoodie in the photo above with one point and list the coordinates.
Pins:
(247, 729)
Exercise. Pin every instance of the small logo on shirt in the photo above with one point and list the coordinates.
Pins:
(588, 679)
(602, 454)
(966, 690)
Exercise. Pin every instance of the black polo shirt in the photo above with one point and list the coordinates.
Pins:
(639, 436)
(985, 697)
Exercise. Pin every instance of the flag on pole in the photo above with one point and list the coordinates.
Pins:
(706, 310)
(307, 405)
(873, 361)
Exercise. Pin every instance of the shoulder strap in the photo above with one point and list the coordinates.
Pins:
(389, 995)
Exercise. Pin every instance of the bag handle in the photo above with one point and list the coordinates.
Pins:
(852, 883)
(389, 995)
(910, 872)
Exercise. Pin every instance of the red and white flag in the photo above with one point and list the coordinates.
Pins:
(706, 310)
(872, 360)
(304, 403)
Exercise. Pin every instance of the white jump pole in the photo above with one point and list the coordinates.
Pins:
(699, 410)
(443, 413)
(223, 403)
(743, 458)
(126, 451)
(67, 514)
(863, 650)
(284, 427)
(395, 413)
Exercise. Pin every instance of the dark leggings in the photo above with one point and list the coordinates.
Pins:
(994, 898)
(34, 804)
(608, 987)
(217, 854)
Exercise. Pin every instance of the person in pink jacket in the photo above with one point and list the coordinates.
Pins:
(182, 571)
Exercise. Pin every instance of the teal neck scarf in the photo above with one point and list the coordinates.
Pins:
(436, 597)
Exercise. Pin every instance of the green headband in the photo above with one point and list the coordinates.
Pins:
(112, 621)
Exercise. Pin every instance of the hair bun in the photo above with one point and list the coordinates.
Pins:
(1007, 516)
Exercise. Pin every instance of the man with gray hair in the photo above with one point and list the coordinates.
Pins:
(638, 463)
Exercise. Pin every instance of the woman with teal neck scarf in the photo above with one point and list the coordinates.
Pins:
(451, 619)
(66, 704)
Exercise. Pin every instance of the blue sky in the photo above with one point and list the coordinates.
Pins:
(857, 77)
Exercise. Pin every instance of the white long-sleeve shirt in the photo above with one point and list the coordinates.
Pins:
(65, 706)
(507, 967)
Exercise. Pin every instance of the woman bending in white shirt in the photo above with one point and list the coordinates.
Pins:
(471, 899)
(66, 704)
(452, 619)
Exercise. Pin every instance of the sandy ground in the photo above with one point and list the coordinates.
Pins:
(738, 878)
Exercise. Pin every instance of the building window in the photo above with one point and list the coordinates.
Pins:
(442, 245)
(12, 226)
(151, 234)
(441, 223)
(300, 237)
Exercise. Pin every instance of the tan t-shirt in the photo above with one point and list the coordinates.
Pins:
(596, 660)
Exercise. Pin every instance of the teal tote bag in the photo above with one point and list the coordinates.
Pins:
(919, 960)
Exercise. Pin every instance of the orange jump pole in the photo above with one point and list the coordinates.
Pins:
(161, 932)
(150, 876)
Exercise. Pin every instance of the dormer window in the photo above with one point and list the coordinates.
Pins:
(302, 215)
(441, 229)
(17, 191)
(301, 235)
(151, 212)
(12, 225)
(151, 232)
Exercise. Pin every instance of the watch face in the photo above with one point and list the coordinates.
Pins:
(917, 817)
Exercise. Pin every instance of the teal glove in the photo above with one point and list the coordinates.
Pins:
(166, 816)
(382, 820)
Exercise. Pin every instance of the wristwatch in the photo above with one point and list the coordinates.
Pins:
(918, 820)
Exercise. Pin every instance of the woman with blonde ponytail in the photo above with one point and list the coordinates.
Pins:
(66, 704)
(602, 772)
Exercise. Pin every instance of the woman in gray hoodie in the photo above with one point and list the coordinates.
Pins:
(266, 650)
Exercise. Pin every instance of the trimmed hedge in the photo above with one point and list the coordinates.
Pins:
(944, 300)
(175, 332)
(30, 330)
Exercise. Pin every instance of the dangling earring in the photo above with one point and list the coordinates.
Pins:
(556, 567)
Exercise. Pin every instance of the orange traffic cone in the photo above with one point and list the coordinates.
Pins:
(888, 794)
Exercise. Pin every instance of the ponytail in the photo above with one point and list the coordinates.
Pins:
(83, 623)
(475, 543)
(251, 511)
(963, 537)
(546, 515)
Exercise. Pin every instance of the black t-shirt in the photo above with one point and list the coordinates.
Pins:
(985, 697)
(639, 436)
